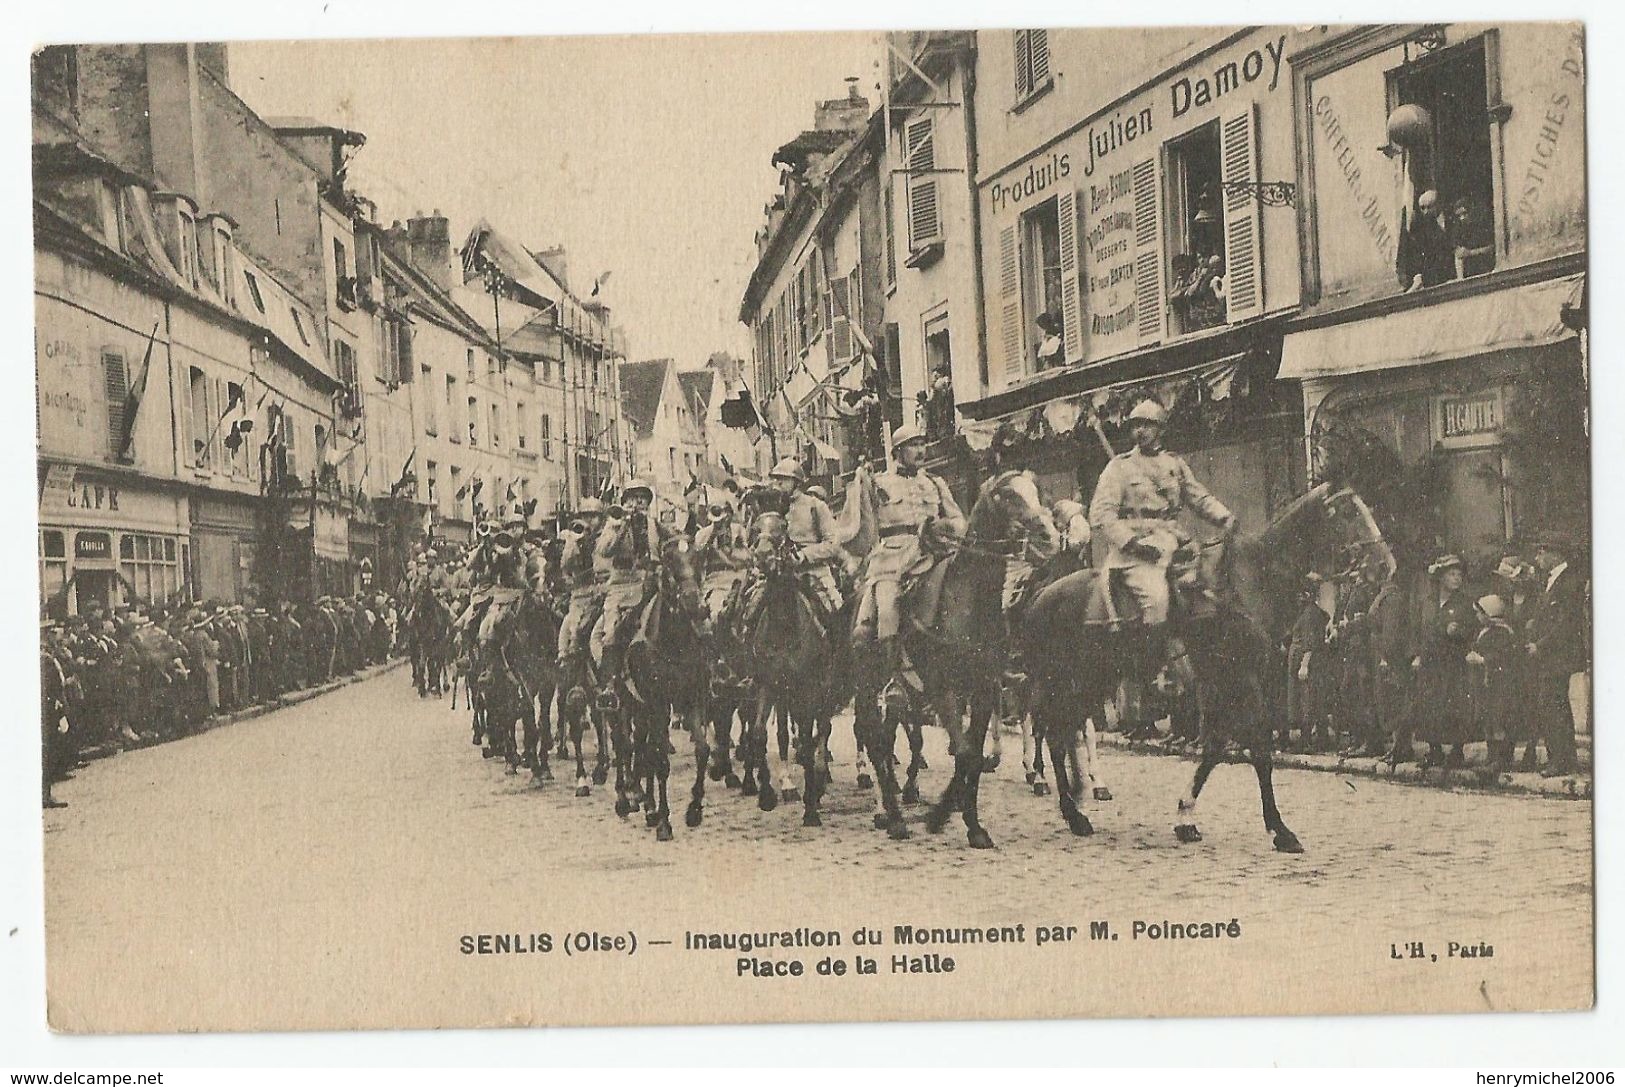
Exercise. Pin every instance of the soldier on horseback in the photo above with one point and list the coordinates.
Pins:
(811, 529)
(723, 556)
(1136, 508)
(631, 544)
(584, 574)
(914, 513)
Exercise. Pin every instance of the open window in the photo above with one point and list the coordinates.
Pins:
(1041, 284)
(1195, 231)
(1439, 123)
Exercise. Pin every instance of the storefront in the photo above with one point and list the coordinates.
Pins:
(225, 531)
(1148, 249)
(1482, 399)
(110, 538)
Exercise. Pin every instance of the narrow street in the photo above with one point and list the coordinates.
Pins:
(347, 840)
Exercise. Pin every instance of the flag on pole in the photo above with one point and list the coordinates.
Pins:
(407, 477)
(132, 401)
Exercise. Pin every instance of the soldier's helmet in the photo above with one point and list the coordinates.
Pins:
(788, 468)
(591, 505)
(637, 487)
(1149, 411)
(904, 434)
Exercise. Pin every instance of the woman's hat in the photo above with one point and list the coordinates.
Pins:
(1443, 563)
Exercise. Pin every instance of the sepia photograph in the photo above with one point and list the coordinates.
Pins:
(718, 528)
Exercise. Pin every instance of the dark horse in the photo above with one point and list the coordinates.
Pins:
(428, 639)
(796, 661)
(664, 674)
(515, 683)
(1230, 623)
(960, 657)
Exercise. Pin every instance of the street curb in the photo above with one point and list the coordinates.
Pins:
(296, 697)
(1472, 779)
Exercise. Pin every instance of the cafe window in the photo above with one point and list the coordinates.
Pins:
(53, 563)
(1041, 284)
(151, 565)
(1195, 231)
(1440, 127)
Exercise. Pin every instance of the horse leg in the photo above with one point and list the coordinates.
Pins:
(699, 724)
(914, 725)
(790, 741)
(1186, 830)
(574, 723)
(882, 743)
(1093, 778)
(984, 715)
(748, 762)
(661, 760)
(964, 752)
(769, 753)
(865, 779)
(620, 744)
(1285, 840)
(992, 749)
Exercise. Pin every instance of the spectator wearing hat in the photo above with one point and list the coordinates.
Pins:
(1498, 695)
(1557, 649)
(1307, 668)
(1520, 590)
(1355, 710)
(1051, 350)
(1389, 620)
(1443, 716)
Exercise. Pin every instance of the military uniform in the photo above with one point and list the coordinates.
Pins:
(632, 547)
(904, 502)
(724, 560)
(586, 576)
(811, 527)
(1136, 505)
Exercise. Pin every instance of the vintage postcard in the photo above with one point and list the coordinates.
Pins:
(996, 524)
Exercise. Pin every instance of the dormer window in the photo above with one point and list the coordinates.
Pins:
(299, 326)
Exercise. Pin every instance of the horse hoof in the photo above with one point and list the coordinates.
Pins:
(1102, 793)
(651, 819)
(791, 795)
(663, 832)
(768, 800)
(1040, 787)
(692, 817)
(911, 794)
(600, 776)
(897, 830)
(487, 753)
(1287, 842)
(748, 788)
(1031, 777)
(865, 781)
(714, 772)
(980, 839)
(731, 780)
(990, 763)
(811, 819)
(1187, 833)
(882, 820)
(1079, 824)
(937, 820)
(623, 807)
(583, 790)
(475, 740)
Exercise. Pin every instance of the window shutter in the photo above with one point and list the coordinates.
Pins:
(1024, 65)
(891, 235)
(1147, 253)
(1066, 208)
(924, 220)
(1243, 260)
(407, 369)
(1010, 304)
(1038, 47)
(118, 391)
(840, 328)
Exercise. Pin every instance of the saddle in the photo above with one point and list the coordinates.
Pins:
(1107, 601)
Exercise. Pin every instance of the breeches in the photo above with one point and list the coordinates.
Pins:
(1148, 585)
(570, 628)
(619, 601)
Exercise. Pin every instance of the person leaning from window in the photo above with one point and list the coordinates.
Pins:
(1051, 349)
(1473, 237)
(1427, 251)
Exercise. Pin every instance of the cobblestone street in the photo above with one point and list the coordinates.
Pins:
(352, 840)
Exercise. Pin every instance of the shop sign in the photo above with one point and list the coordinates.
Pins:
(93, 545)
(58, 485)
(1470, 420)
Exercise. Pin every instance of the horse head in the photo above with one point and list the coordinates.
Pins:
(680, 573)
(1009, 502)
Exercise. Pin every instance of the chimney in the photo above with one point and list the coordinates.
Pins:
(556, 261)
(429, 237)
(212, 55)
(174, 120)
(842, 114)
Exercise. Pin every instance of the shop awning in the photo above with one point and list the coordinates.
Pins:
(1524, 316)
